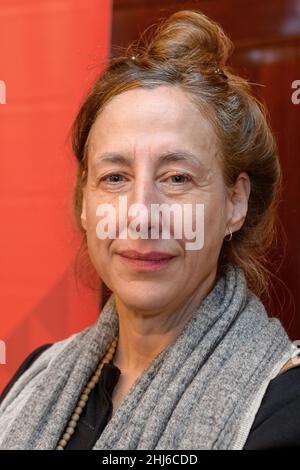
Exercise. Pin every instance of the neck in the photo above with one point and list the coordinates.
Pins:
(143, 336)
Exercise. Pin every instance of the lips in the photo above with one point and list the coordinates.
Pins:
(149, 256)
(146, 262)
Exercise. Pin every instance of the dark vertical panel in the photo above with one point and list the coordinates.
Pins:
(267, 52)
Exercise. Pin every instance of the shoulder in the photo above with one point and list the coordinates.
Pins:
(35, 365)
(28, 361)
(277, 422)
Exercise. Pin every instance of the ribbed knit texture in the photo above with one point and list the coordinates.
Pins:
(201, 392)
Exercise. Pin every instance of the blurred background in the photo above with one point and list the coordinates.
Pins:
(50, 53)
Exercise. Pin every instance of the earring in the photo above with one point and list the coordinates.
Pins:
(230, 236)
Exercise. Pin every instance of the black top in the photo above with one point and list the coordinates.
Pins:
(276, 425)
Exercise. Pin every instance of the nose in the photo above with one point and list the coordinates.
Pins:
(143, 195)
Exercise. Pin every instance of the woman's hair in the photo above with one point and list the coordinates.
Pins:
(190, 50)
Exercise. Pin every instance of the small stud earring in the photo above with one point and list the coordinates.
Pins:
(230, 236)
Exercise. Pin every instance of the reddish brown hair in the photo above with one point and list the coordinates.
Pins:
(190, 51)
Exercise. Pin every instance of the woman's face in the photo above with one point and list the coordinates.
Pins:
(144, 126)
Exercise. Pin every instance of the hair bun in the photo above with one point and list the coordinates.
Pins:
(191, 36)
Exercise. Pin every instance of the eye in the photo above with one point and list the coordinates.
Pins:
(112, 178)
(181, 178)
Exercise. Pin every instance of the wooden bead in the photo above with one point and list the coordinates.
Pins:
(94, 380)
(70, 430)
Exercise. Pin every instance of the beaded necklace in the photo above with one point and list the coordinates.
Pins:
(83, 399)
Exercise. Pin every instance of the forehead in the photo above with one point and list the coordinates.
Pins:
(151, 120)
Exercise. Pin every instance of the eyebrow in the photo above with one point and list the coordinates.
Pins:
(177, 155)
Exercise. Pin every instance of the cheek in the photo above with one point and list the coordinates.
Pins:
(91, 218)
(98, 248)
(200, 259)
(214, 219)
(99, 256)
(214, 222)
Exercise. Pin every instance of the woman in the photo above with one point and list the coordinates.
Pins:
(183, 354)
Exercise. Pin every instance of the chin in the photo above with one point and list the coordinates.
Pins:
(144, 297)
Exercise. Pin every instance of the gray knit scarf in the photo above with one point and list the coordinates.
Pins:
(202, 392)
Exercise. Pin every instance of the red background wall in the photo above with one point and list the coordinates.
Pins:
(50, 52)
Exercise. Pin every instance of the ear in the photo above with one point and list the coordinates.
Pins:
(239, 195)
(83, 211)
